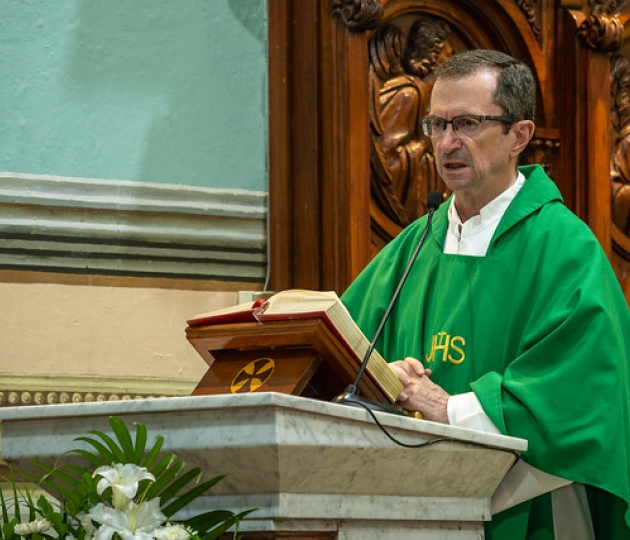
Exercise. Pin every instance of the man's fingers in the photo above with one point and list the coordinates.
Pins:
(415, 365)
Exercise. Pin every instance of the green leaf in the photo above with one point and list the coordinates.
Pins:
(204, 522)
(179, 484)
(28, 499)
(16, 505)
(212, 518)
(50, 481)
(107, 458)
(124, 440)
(154, 452)
(116, 451)
(71, 478)
(8, 531)
(189, 496)
(3, 506)
(76, 486)
(165, 463)
(141, 442)
(94, 460)
(163, 480)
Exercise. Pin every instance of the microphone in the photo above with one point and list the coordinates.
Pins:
(350, 395)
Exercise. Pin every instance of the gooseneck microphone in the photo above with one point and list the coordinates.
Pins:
(350, 395)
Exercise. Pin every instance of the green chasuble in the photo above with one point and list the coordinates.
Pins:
(538, 329)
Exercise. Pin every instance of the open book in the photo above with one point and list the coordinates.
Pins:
(296, 304)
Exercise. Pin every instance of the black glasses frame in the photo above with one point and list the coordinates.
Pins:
(479, 117)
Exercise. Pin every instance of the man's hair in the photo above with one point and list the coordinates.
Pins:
(516, 89)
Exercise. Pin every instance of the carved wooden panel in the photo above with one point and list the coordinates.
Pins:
(410, 41)
(403, 53)
(620, 158)
(349, 163)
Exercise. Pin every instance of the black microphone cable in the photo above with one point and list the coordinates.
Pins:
(350, 396)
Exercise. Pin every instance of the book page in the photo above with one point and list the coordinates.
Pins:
(300, 301)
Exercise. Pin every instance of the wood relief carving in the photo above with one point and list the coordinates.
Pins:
(620, 140)
(402, 170)
(602, 33)
(542, 151)
(350, 87)
(359, 15)
(608, 7)
(527, 7)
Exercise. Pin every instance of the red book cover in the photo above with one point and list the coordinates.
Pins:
(232, 314)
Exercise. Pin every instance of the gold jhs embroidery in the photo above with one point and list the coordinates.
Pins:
(451, 347)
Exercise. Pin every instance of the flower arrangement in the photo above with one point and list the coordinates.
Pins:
(132, 494)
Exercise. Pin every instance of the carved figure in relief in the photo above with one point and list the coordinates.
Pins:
(620, 141)
(402, 166)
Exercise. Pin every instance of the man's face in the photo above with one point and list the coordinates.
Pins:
(481, 166)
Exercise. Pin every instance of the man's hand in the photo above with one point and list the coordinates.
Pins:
(420, 393)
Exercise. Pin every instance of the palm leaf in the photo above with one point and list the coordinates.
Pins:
(106, 457)
(90, 457)
(163, 465)
(124, 439)
(3, 506)
(141, 442)
(7, 530)
(164, 479)
(76, 486)
(29, 502)
(49, 483)
(115, 449)
(16, 503)
(221, 520)
(154, 452)
(188, 497)
(71, 478)
(206, 521)
(178, 484)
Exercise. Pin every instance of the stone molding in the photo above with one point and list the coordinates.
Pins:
(115, 227)
(25, 389)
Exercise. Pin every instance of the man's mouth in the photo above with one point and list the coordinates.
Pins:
(453, 166)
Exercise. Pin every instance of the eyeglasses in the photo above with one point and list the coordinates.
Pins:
(468, 125)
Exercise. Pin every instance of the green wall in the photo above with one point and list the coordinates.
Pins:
(145, 90)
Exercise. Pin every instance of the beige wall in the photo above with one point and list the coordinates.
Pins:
(148, 160)
(111, 328)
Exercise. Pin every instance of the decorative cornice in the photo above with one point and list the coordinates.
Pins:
(24, 389)
(359, 15)
(602, 33)
(112, 227)
(17, 398)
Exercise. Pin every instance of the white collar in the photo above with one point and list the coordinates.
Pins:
(473, 237)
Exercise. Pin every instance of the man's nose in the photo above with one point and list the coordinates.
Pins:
(450, 138)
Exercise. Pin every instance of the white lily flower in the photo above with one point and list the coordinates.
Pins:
(135, 522)
(87, 525)
(173, 532)
(123, 479)
(37, 526)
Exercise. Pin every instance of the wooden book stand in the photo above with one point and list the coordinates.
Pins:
(300, 357)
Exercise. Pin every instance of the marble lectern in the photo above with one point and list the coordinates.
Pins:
(313, 469)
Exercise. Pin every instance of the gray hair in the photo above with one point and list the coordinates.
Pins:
(515, 92)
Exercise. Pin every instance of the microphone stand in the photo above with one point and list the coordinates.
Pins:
(350, 395)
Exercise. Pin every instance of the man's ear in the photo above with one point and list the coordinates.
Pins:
(523, 132)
